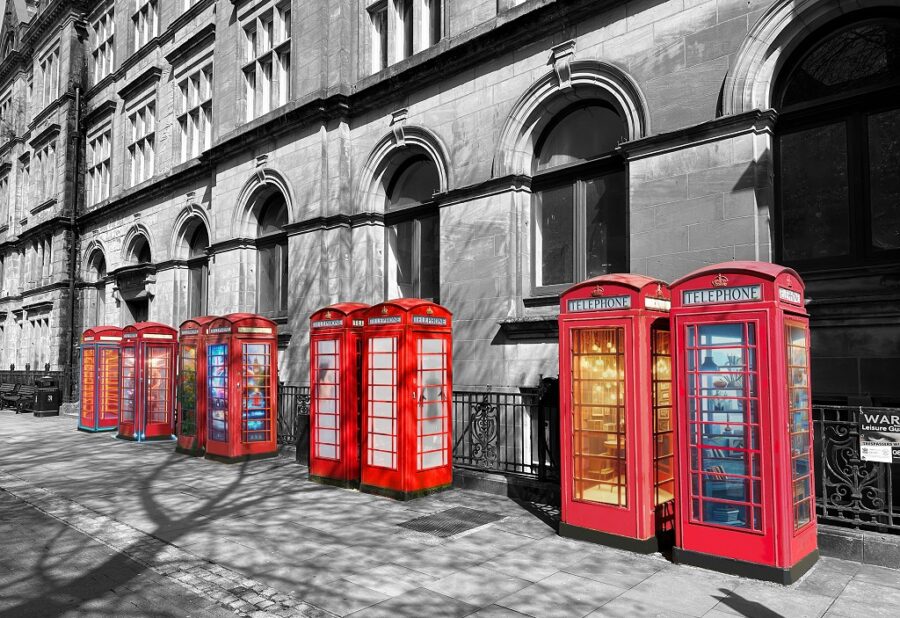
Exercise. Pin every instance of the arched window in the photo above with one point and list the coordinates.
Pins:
(95, 312)
(139, 254)
(140, 250)
(198, 271)
(272, 256)
(413, 238)
(580, 206)
(838, 148)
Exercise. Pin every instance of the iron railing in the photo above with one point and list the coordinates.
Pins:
(849, 491)
(510, 433)
(293, 412)
(507, 433)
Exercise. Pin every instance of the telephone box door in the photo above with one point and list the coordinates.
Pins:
(433, 400)
(131, 391)
(728, 487)
(383, 372)
(157, 395)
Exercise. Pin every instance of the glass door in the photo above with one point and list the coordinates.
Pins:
(88, 386)
(109, 389)
(797, 341)
(217, 377)
(723, 424)
(598, 432)
(432, 419)
(663, 430)
(327, 405)
(383, 364)
(257, 396)
(159, 384)
(187, 390)
(129, 384)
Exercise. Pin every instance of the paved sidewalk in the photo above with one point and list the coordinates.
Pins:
(258, 539)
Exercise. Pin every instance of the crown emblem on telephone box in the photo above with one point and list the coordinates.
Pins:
(597, 291)
(720, 281)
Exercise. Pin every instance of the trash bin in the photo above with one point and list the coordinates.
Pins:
(48, 397)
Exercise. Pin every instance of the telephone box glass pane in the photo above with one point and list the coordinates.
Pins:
(598, 394)
(109, 379)
(129, 383)
(723, 430)
(187, 390)
(382, 413)
(88, 387)
(327, 391)
(158, 383)
(255, 417)
(800, 427)
(432, 424)
(217, 376)
(663, 432)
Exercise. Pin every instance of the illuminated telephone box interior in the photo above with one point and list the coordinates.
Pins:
(100, 351)
(407, 390)
(335, 383)
(192, 392)
(617, 446)
(147, 405)
(746, 504)
(242, 383)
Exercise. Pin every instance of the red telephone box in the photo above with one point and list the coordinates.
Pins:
(100, 351)
(148, 382)
(746, 502)
(242, 378)
(617, 443)
(335, 380)
(407, 394)
(192, 390)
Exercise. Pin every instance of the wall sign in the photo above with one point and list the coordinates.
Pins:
(601, 303)
(879, 436)
(190, 331)
(220, 329)
(657, 304)
(789, 296)
(711, 296)
(391, 319)
(430, 321)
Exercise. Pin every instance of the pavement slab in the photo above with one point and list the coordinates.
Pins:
(170, 535)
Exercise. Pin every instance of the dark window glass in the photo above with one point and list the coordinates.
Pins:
(413, 238)
(142, 251)
(605, 224)
(435, 6)
(555, 214)
(198, 273)
(815, 193)
(272, 257)
(853, 58)
(884, 177)
(580, 135)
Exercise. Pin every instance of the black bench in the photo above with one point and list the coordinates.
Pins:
(23, 399)
(7, 390)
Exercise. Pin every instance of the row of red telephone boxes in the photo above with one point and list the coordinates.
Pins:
(391, 365)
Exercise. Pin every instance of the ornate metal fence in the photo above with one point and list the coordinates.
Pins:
(849, 491)
(508, 432)
(293, 412)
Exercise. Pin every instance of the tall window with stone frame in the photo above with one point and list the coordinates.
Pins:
(838, 150)
(44, 168)
(195, 113)
(272, 257)
(400, 28)
(48, 65)
(267, 60)
(4, 200)
(141, 143)
(102, 45)
(198, 272)
(98, 158)
(145, 22)
(378, 19)
(26, 194)
(412, 231)
(7, 119)
(95, 312)
(580, 197)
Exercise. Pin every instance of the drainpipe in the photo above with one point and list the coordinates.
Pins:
(73, 250)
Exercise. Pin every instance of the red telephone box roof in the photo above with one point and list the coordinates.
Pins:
(102, 331)
(243, 323)
(616, 292)
(195, 324)
(413, 310)
(763, 270)
(337, 316)
(141, 330)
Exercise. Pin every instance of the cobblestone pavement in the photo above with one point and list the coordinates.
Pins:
(91, 525)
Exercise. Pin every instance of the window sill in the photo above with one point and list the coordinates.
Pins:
(43, 206)
(536, 328)
(547, 299)
(4, 228)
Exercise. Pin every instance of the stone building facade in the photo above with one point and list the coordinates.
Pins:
(278, 156)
